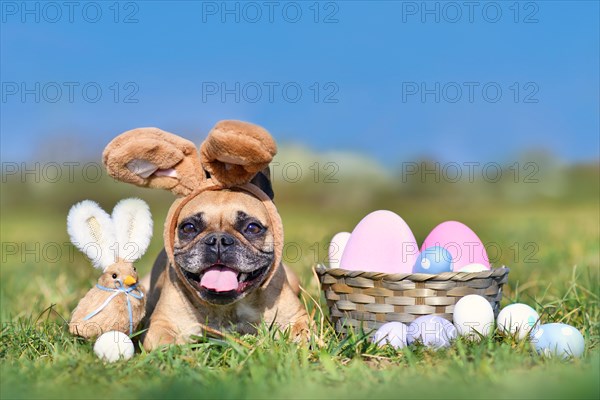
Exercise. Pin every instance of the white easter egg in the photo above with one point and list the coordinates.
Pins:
(392, 333)
(474, 267)
(517, 320)
(557, 339)
(473, 316)
(113, 346)
(336, 248)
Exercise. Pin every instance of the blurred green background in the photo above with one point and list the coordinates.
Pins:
(540, 217)
(535, 215)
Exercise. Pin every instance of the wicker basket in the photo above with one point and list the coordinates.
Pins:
(370, 299)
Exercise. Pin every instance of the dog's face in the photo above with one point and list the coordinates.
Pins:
(224, 245)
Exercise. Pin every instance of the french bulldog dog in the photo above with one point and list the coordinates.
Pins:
(222, 263)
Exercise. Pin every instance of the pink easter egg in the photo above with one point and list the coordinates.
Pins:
(462, 243)
(381, 242)
(336, 248)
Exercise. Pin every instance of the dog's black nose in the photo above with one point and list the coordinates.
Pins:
(220, 241)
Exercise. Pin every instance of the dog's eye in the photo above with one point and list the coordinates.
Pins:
(114, 276)
(253, 228)
(188, 228)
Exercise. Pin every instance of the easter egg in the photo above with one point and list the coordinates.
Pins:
(473, 316)
(381, 242)
(433, 260)
(431, 330)
(113, 346)
(392, 333)
(462, 243)
(336, 248)
(473, 268)
(557, 339)
(517, 320)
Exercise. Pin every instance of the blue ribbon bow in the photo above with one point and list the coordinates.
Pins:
(131, 291)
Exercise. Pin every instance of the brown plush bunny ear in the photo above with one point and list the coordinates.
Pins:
(235, 151)
(153, 158)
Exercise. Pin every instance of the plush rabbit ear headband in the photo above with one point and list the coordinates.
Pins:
(106, 239)
(234, 156)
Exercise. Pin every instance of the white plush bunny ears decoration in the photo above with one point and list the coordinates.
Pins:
(105, 239)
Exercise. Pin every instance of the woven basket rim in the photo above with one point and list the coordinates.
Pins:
(321, 270)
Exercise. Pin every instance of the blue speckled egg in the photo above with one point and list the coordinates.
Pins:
(431, 330)
(560, 340)
(433, 260)
(392, 333)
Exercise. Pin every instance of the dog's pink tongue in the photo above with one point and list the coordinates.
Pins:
(220, 279)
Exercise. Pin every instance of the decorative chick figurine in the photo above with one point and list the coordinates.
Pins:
(112, 243)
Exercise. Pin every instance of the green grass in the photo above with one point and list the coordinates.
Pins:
(552, 248)
(42, 360)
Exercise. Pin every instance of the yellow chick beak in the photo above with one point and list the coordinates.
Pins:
(129, 280)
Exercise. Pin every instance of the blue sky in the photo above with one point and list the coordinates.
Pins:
(394, 80)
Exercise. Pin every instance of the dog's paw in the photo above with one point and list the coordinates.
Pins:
(159, 334)
(300, 331)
